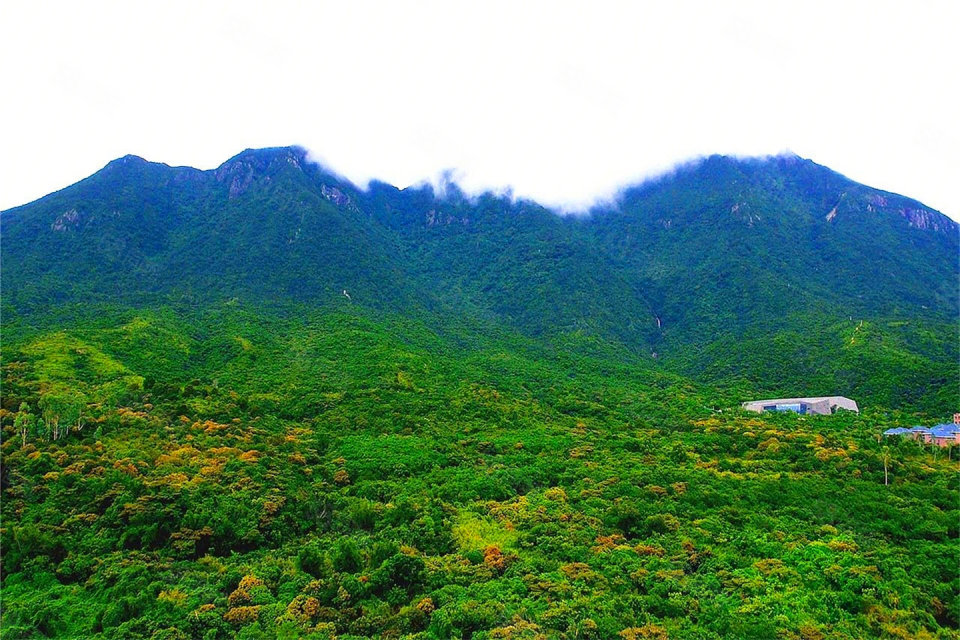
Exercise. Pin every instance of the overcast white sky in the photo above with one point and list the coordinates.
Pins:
(561, 101)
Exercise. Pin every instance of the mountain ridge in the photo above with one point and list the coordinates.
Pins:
(299, 156)
(260, 402)
(712, 252)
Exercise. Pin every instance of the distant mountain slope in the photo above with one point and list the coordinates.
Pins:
(684, 271)
(736, 244)
(264, 225)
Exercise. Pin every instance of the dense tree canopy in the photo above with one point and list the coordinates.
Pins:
(345, 475)
(262, 403)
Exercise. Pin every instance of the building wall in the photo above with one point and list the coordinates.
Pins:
(946, 441)
(822, 405)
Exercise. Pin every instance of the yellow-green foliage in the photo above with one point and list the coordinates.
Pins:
(145, 330)
(286, 493)
(476, 533)
(59, 359)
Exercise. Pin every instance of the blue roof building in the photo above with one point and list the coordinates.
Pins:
(896, 431)
(942, 435)
(946, 431)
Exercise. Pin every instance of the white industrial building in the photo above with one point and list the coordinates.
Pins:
(821, 406)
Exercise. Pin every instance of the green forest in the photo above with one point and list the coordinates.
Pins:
(347, 475)
(374, 423)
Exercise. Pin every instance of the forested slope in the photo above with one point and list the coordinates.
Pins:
(261, 402)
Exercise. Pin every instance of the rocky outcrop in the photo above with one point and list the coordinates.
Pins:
(241, 170)
(916, 216)
(435, 217)
(337, 197)
(68, 220)
(927, 220)
(239, 174)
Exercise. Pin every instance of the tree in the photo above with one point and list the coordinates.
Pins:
(64, 405)
(886, 462)
(24, 422)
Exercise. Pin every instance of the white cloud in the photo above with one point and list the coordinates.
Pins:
(562, 101)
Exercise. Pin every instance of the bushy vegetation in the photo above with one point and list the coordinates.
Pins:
(726, 271)
(261, 403)
(351, 475)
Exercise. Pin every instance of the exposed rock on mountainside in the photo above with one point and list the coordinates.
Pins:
(713, 253)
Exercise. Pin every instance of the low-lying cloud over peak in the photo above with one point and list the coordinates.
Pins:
(572, 197)
(563, 102)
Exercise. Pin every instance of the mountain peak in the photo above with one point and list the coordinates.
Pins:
(242, 169)
(714, 250)
(129, 161)
(294, 155)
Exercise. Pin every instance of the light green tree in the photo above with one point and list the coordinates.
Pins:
(62, 408)
(24, 423)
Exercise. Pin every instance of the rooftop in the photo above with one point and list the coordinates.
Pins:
(834, 401)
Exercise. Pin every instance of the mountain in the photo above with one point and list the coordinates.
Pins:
(752, 272)
(261, 402)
